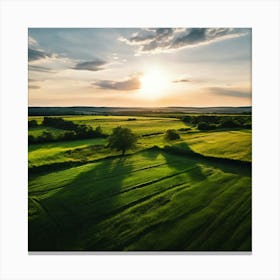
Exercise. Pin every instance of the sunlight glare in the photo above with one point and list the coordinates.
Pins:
(153, 83)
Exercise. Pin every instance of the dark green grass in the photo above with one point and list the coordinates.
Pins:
(153, 200)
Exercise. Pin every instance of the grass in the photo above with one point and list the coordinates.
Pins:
(150, 199)
(225, 144)
(37, 131)
(141, 125)
(47, 153)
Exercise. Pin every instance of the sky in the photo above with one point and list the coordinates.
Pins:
(139, 67)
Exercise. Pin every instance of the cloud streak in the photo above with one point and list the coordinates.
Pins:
(37, 68)
(125, 85)
(182, 81)
(33, 87)
(32, 42)
(34, 55)
(94, 65)
(156, 40)
(232, 92)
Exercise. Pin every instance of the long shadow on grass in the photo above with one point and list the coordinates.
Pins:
(225, 164)
(76, 207)
(196, 175)
(184, 151)
(76, 210)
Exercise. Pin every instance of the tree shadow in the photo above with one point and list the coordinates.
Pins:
(174, 158)
(70, 217)
(193, 165)
(224, 164)
(79, 206)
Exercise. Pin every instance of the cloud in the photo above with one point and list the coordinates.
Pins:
(150, 39)
(34, 55)
(189, 79)
(157, 34)
(32, 42)
(32, 83)
(94, 65)
(182, 81)
(155, 40)
(194, 36)
(233, 92)
(33, 87)
(126, 85)
(36, 68)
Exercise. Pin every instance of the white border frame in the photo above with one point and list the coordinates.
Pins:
(262, 16)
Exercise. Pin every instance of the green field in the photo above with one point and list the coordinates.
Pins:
(191, 194)
(140, 125)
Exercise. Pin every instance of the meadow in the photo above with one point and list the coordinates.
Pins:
(189, 194)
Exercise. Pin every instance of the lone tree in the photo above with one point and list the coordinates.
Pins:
(122, 139)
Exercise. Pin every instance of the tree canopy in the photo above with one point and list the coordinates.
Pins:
(122, 139)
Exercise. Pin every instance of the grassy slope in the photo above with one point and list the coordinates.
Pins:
(225, 144)
(150, 200)
(40, 154)
(146, 201)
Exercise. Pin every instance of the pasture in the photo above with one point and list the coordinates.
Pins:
(191, 194)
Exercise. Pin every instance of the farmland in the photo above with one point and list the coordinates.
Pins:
(189, 194)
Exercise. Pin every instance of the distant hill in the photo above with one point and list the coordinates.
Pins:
(58, 111)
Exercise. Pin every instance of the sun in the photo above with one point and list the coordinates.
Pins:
(153, 83)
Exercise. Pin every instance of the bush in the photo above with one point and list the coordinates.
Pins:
(172, 134)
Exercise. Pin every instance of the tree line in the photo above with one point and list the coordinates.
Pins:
(210, 122)
(73, 131)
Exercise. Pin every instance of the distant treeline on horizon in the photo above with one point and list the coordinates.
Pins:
(57, 111)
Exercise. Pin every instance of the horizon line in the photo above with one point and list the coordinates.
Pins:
(85, 106)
